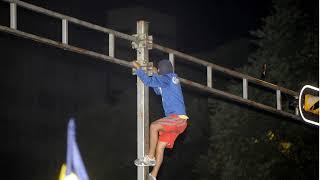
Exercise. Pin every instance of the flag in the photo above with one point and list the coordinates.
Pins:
(74, 168)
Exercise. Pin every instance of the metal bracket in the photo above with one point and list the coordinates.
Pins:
(146, 67)
(142, 41)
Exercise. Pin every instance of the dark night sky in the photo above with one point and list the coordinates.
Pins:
(44, 84)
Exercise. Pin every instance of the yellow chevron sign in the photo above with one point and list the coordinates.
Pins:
(311, 104)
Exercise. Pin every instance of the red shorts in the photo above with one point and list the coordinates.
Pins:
(173, 126)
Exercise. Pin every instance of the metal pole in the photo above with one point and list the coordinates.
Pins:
(13, 15)
(171, 59)
(209, 76)
(245, 89)
(111, 45)
(278, 100)
(142, 100)
(64, 31)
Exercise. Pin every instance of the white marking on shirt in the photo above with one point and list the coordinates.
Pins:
(175, 80)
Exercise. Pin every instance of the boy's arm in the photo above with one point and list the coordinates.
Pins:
(153, 81)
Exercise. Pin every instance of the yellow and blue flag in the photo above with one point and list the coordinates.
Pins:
(74, 168)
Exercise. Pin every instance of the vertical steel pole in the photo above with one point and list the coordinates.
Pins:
(142, 100)
(111, 45)
(171, 59)
(13, 15)
(245, 88)
(209, 76)
(64, 31)
(278, 99)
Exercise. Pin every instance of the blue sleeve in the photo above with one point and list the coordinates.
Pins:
(157, 90)
(153, 81)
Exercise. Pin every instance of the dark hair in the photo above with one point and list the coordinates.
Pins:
(165, 67)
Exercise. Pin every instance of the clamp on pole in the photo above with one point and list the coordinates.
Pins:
(143, 42)
(148, 68)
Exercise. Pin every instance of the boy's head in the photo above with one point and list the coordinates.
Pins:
(165, 67)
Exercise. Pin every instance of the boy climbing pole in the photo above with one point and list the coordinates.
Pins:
(164, 131)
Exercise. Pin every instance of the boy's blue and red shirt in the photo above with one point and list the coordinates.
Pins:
(168, 86)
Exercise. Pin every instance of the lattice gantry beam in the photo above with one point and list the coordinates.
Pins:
(143, 41)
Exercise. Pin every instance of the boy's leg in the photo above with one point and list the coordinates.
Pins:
(159, 157)
(154, 134)
(149, 159)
